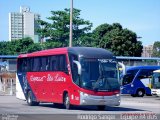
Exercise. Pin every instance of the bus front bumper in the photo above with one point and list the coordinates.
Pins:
(86, 99)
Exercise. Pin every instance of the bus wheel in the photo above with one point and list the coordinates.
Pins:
(140, 93)
(66, 100)
(101, 107)
(133, 95)
(30, 100)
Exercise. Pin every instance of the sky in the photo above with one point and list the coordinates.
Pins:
(139, 16)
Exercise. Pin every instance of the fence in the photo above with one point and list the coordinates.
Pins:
(7, 83)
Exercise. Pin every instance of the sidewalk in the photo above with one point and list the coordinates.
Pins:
(2, 93)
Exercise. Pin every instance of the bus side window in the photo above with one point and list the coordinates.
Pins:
(36, 64)
(22, 65)
(43, 63)
(58, 63)
(53, 63)
(62, 63)
(47, 63)
(29, 64)
(145, 74)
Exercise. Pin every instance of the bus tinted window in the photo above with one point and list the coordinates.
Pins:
(145, 74)
(127, 79)
(45, 63)
(133, 72)
(62, 63)
(36, 64)
(53, 63)
(22, 65)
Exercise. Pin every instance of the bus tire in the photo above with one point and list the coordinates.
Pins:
(133, 95)
(66, 101)
(101, 107)
(30, 101)
(140, 93)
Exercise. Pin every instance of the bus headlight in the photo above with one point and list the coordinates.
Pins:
(84, 94)
(117, 95)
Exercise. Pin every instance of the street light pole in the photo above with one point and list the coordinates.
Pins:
(71, 31)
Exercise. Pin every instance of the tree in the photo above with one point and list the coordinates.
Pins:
(16, 47)
(3, 46)
(58, 29)
(156, 49)
(22, 45)
(34, 47)
(52, 44)
(86, 40)
(122, 42)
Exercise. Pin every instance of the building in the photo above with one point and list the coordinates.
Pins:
(23, 24)
(147, 51)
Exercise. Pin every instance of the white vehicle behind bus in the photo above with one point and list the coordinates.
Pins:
(156, 83)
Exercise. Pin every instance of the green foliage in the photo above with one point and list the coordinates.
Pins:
(52, 44)
(87, 40)
(16, 46)
(3, 46)
(122, 42)
(34, 47)
(25, 45)
(156, 49)
(58, 28)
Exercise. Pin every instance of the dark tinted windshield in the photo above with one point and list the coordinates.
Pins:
(127, 79)
(99, 74)
(156, 80)
(133, 72)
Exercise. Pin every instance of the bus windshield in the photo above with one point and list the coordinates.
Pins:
(156, 80)
(100, 74)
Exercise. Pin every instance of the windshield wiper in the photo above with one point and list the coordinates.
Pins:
(109, 84)
(97, 84)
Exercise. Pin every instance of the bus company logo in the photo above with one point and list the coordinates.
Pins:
(107, 60)
(49, 78)
(57, 78)
(34, 78)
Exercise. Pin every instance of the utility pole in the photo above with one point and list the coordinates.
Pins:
(71, 31)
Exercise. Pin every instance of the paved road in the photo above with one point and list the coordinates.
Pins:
(130, 106)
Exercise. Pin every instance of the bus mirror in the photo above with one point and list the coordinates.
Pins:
(78, 66)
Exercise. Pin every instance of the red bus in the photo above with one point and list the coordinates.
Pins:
(69, 76)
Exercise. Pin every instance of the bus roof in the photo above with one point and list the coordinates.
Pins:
(87, 52)
(90, 52)
(143, 67)
(45, 52)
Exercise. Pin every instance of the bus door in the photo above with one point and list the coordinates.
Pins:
(21, 80)
(126, 83)
(76, 72)
(143, 80)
